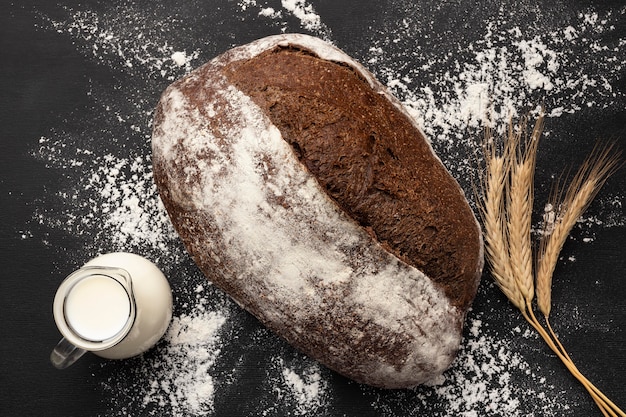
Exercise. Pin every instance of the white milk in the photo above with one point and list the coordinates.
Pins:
(97, 308)
(153, 299)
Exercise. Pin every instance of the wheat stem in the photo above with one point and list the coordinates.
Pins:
(566, 355)
(556, 339)
(599, 398)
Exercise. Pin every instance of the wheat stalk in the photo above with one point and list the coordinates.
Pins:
(591, 176)
(506, 210)
(520, 204)
(497, 243)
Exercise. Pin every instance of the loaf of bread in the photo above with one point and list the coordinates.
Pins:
(306, 192)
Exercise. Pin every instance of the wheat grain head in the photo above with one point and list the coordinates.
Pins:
(523, 154)
(494, 182)
(591, 176)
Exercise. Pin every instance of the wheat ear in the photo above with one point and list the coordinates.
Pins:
(494, 219)
(523, 154)
(591, 176)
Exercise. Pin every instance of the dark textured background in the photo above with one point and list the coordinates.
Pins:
(44, 81)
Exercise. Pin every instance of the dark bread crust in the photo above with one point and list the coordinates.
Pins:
(371, 160)
(260, 208)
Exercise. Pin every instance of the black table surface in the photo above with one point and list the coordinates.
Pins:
(79, 81)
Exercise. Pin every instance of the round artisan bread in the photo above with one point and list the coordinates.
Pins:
(304, 190)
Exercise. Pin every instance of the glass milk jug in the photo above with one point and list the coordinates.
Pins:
(117, 305)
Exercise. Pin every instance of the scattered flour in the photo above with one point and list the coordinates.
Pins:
(127, 39)
(180, 58)
(464, 83)
(182, 377)
(304, 387)
(113, 200)
(451, 84)
(305, 12)
(300, 9)
(177, 377)
(305, 391)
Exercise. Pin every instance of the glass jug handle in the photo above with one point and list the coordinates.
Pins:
(65, 354)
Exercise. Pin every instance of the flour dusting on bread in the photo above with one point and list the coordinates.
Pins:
(262, 228)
